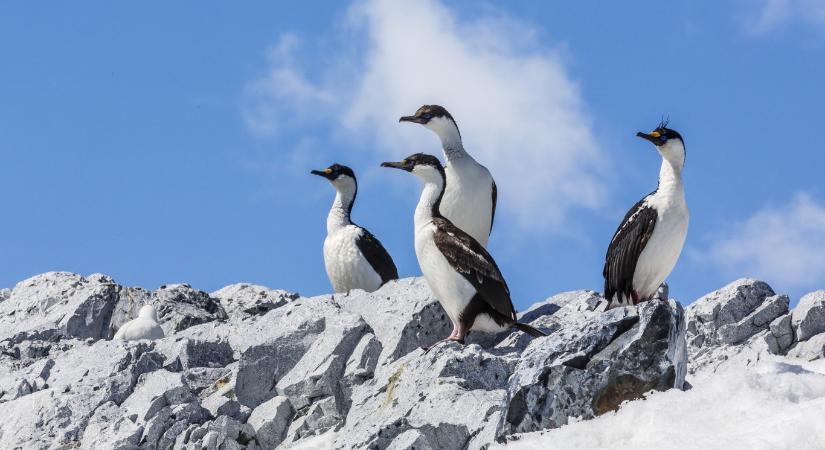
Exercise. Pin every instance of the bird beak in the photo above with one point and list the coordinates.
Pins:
(403, 165)
(653, 136)
(414, 119)
(322, 173)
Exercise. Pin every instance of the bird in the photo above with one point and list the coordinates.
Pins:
(647, 244)
(353, 257)
(471, 196)
(145, 326)
(459, 270)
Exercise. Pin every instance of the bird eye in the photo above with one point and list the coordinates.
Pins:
(663, 138)
(426, 116)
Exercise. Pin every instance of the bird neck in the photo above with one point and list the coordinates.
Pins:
(339, 214)
(451, 144)
(430, 203)
(670, 179)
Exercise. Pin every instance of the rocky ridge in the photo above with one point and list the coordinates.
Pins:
(251, 367)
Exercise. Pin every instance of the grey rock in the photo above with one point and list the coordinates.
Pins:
(809, 316)
(180, 307)
(250, 367)
(454, 396)
(270, 421)
(755, 322)
(809, 350)
(5, 293)
(719, 323)
(590, 369)
(403, 314)
(781, 335)
(242, 300)
(55, 305)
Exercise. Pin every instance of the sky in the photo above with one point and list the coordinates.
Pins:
(162, 143)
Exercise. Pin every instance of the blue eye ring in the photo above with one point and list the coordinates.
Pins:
(663, 138)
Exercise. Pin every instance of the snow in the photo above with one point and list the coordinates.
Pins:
(773, 404)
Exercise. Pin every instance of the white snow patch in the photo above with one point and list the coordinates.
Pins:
(774, 404)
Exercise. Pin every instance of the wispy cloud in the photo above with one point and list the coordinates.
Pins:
(773, 14)
(519, 110)
(782, 244)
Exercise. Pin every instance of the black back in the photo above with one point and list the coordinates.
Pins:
(475, 264)
(495, 200)
(623, 253)
(377, 256)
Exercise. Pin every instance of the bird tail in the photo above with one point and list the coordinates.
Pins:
(523, 327)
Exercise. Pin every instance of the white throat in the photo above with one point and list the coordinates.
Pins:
(339, 214)
(450, 137)
(670, 174)
(433, 188)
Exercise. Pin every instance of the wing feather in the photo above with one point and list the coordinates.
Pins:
(474, 263)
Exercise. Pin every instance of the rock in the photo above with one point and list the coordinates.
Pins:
(808, 317)
(180, 307)
(755, 322)
(720, 323)
(591, 368)
(403, 314)
(5, 293)
(809, 350)
(342, 371)
(270, 421)
(242, 300)
(55, 305)
(453, 397)
(781, 335)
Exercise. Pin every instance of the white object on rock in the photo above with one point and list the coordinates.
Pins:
(146, 326)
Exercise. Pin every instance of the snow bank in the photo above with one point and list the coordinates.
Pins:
(777, 403)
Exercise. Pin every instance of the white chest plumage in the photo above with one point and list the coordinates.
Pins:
(450, 288)
(662, 251)
(468, 198)
(346, 266)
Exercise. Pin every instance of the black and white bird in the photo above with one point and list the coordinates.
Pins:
(648, 242)
(460, 272)
(470, 199)
(353, 257)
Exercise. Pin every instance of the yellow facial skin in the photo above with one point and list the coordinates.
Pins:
(655, 133)
(327, 171)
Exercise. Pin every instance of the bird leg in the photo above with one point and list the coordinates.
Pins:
(457, 336)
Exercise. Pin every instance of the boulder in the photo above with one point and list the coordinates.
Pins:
(721, 321)
(270, 421)
(808, 317)
(180, 307)
(243, 300)
(781, 335)
(58, 305)
(403, 314)
(589, 368)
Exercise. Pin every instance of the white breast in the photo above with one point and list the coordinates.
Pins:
(451, 289)
(662, 251)
(140, 328)
(347, 268)
(468, 199)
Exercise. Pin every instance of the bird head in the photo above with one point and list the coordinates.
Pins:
(438, 120)
(341, 177)
(668, 143)
(426, 167)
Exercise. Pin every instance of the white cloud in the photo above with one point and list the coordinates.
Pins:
(783, 244)
(773, 14)
(519, 111)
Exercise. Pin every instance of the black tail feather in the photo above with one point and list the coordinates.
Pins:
(523, 327)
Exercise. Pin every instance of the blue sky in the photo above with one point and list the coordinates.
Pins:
(169, 143)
